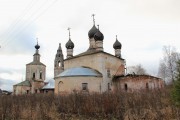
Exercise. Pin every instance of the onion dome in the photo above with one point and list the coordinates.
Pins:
(92, 31)
(37, 46)
(98, 36)
(69, 44)
(117, 44)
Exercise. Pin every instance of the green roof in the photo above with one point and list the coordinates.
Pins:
(24, 83)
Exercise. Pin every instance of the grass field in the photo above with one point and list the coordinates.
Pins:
(144, 105)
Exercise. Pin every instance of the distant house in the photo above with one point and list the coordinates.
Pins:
(5, 92)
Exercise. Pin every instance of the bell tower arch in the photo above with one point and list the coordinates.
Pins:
(59, 61)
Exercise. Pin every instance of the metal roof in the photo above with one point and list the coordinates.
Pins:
(36, 63)
(91, 52)
(80, 71)
(50, 84)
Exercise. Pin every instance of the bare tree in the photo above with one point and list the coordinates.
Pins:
(167, 65)
(138, 69)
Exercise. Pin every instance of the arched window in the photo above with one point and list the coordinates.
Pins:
(40, 75)
(59, 64)
(34, 76)
(60, 84)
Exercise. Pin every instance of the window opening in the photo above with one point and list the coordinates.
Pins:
(33, 75)
(36, 90)
(109, 86)
(59, 64)
(84, 86)
(147, 86)
(108, 73)
(40, 75)
(125, 87)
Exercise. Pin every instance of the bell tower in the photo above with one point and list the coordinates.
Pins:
(59, 61)
(36, 70)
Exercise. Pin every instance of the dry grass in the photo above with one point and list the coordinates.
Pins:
(147, 105)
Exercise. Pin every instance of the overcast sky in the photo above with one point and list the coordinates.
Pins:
(143, 28)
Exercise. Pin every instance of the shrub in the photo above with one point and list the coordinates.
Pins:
(176, 87)
(155, 104)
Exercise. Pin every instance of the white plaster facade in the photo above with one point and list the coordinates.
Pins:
(100, 61)
(66, 85)
(94, 58)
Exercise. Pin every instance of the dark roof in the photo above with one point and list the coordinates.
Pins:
(24, 83)
(36, 63)
(133, 76)
(90, 52)
(38, 80)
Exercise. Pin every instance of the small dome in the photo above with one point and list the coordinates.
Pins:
(117, 44)
(92, 31)
(69, 44)
(37, 46)
(98, 36)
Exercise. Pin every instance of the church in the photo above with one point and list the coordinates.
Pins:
(93, 70)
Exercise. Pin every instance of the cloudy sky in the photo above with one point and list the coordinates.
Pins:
(143, 27)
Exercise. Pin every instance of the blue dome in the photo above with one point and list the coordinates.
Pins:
(80, 71)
